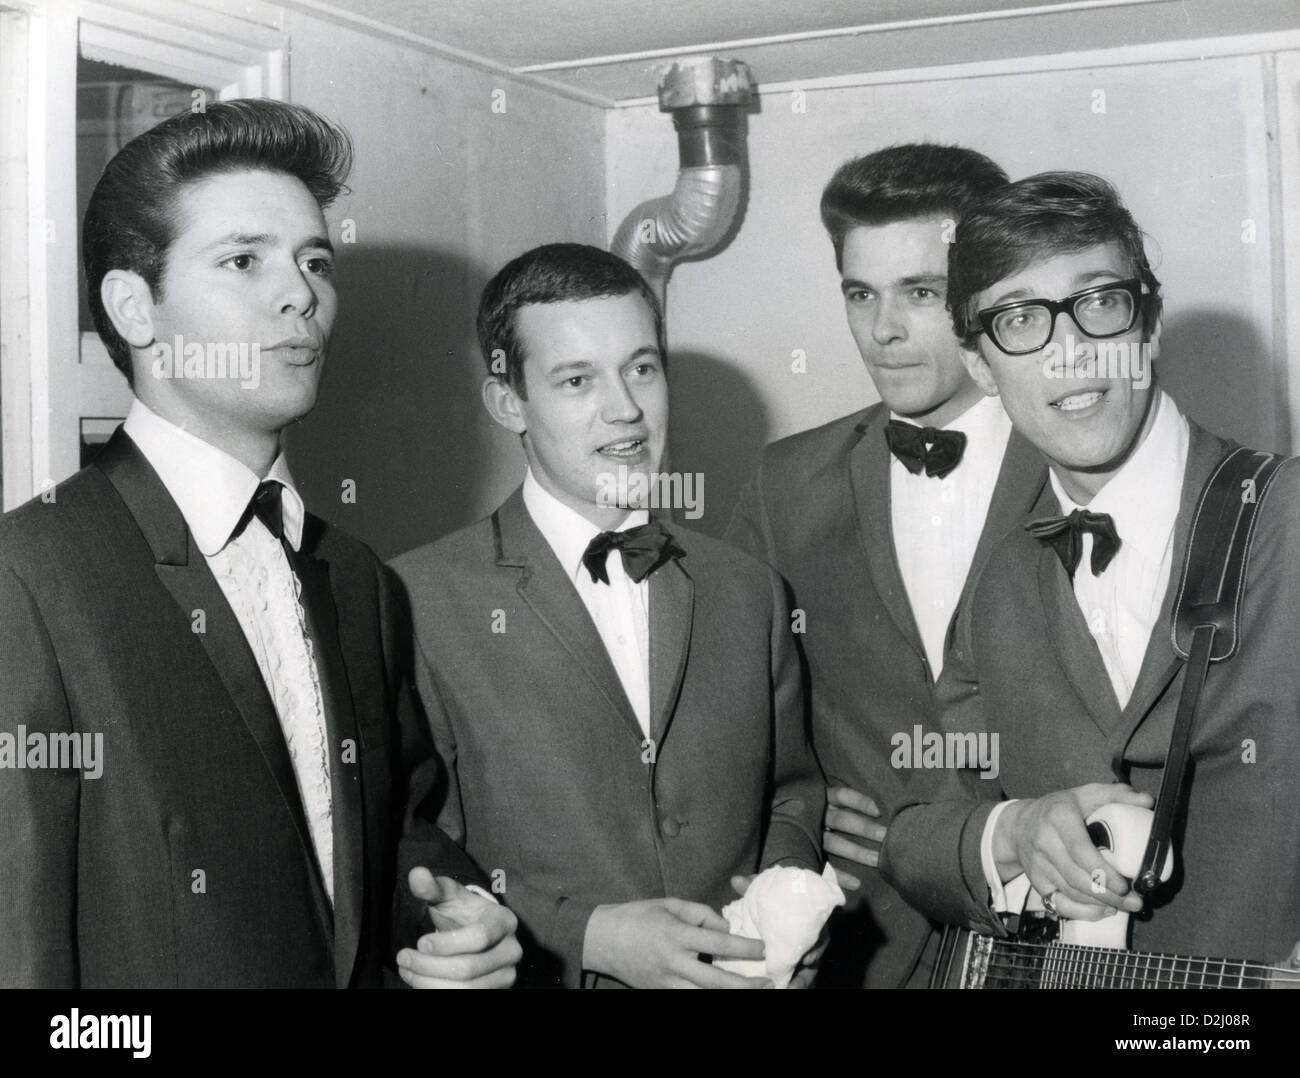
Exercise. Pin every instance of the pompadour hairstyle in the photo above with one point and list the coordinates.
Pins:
(553, 273)
(1044, 215)
(132, 218)
(898, 183)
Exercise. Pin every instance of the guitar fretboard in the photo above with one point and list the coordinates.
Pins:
(994, 963)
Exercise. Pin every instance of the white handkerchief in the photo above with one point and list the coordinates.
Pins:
(785, 908)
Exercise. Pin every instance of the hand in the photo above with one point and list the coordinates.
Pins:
(657, 943)
(852, 819)
(1047, 838)
(474, 945)
(806, 971)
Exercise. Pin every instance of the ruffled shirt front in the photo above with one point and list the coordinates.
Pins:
(213, 490)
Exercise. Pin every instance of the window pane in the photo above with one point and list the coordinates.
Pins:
(114, 104)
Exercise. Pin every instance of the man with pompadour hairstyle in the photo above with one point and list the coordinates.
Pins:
(208, 753)
(877, 519)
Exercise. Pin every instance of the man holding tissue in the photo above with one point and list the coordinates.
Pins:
(617, 702)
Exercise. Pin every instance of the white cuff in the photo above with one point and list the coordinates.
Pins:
(998, 894)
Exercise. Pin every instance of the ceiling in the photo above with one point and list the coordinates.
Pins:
(598, 48)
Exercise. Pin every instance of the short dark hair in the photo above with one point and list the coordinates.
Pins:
(1033, 219)
(553, 273)
(132, 217)
(898, 183)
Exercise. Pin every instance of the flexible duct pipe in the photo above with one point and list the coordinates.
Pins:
(708, 99)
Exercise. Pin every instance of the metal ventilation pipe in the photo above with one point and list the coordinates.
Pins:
(708, 99)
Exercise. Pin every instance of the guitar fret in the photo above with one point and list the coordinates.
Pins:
(1010, 963)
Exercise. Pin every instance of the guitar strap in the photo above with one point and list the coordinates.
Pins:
(1206, 618)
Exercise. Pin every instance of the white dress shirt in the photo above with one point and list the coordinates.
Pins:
(620, 609)
(1122, 604)
(937, 522)
(213, 490)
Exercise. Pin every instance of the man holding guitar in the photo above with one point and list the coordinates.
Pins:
(1063, 647)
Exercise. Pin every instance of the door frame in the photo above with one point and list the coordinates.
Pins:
(51, 374)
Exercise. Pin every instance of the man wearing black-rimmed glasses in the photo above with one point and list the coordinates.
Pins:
(1064, 648)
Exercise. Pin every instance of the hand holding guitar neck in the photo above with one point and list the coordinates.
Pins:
(1047, 839)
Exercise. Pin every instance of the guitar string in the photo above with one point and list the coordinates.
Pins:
(1142, 972)
(1015, 961)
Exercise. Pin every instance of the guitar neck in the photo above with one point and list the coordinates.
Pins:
(995, 963)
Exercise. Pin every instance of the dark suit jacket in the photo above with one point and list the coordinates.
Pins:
(188, 862)
(1024, 648)
(818, 512)
(554, 789)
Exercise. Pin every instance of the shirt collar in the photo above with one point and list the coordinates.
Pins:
(981, 422)
(1144, 495)
(209, 486)
(566, 530)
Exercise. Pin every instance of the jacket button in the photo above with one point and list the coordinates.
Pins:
(671, 828)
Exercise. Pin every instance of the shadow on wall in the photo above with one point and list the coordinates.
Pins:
(399, 413)
(399, 419)
(1221, 371)
(717, 429)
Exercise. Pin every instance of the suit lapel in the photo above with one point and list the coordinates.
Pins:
(1075, 647)
(1204, 451)
(672, 610)
(184, 572)
(869, 477)
(1020, 484)
(341, 725)
(550, 594)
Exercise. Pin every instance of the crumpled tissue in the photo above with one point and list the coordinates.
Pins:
(785, 908)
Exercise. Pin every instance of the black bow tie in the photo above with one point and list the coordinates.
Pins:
(1065, 534)
(267, 506)
(937, 451)
(644, 548)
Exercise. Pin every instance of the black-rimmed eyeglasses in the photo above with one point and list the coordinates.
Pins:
(1105, 310)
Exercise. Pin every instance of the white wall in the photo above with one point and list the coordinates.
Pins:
(444, 191)
(1185, 142)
